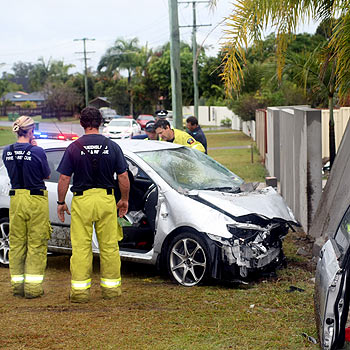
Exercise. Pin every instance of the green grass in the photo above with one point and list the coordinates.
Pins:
(6, 136)
(155, 314)
(237, 160)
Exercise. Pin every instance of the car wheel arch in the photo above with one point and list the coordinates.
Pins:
(4, 213)
(4, 240)
(162, 262)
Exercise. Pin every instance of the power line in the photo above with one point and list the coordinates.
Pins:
(194, 50)
(85, 70)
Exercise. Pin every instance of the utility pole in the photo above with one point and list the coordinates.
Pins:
(85, 69)
(176, 90)
(195, 53)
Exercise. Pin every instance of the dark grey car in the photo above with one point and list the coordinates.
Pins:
(332, 287)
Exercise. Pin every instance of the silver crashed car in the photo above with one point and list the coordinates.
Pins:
(332, 287)
(187, 214)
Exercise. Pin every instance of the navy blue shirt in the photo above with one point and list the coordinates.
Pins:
(199, 136)
(35, 166)
(75, 161)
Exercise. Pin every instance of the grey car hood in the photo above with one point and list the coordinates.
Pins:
(265, 202)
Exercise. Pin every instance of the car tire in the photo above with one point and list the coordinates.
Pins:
(188, 259)
(4, 241)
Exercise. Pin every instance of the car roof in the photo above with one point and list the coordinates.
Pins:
(122, 119)
(126, 145)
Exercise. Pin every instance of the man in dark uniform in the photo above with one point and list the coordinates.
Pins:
(150, 132)
(195, 130)
(161, 114)
(27, 167)
(94, 159)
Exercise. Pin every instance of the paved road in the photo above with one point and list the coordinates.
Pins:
(55, 127)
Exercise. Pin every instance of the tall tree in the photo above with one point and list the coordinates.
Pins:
(249, 19)
(61, 97)
(124, 55)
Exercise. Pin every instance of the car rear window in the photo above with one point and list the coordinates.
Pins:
(342, 237)
(54, 157)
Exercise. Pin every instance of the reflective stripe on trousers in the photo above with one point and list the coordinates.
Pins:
(29, 233)
(33, 278)
(111, 283)
(81, 285)
(94, 208)
(17, 278)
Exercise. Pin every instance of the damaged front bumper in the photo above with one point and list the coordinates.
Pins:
(250, 249)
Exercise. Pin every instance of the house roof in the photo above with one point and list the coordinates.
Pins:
(99, 98)
(20, 96)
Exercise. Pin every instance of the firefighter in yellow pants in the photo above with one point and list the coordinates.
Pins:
(27, 167)
(29, 232)
(97, 206)
(93, 159)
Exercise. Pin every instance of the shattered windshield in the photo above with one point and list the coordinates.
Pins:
(185, 168)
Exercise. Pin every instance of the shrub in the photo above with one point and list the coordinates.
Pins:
(227, 122)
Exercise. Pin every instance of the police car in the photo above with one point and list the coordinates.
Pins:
(188, 214)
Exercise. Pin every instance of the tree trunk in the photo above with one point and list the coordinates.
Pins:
(131, 99)
(131, 103)
(331, 132)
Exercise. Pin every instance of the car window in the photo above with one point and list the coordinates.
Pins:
(136, 171)
(185, 168)
(54, 157)
(117, 122)
(342, 237)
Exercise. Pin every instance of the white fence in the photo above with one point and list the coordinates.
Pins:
(248, 128)
(212, 115)
(341, 117)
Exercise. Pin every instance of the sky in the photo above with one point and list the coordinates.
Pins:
(47, 28)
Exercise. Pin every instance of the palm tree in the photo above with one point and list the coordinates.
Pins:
(250, 18)
(124, 55)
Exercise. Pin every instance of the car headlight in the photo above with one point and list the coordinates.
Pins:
(246, 234)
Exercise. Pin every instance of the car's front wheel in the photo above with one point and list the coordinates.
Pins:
(4, 241)
(188, 259)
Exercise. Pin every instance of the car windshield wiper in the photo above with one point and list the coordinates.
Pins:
(230, 189)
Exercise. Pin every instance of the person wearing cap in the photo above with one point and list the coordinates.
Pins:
(150, 132)
(94, 159)
(30, 228)
(196, 131)
(161, 114)
(166, 133)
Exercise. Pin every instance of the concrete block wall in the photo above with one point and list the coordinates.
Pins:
(249, 128)
(294, 156)
(261, 132)
(335, 198)
(272, 158)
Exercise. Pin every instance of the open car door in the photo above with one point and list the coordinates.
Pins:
(332, 287)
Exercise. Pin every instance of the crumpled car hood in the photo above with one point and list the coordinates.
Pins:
(265, 202)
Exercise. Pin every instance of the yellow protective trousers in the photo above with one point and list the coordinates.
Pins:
(30, 230)
(95, 207)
